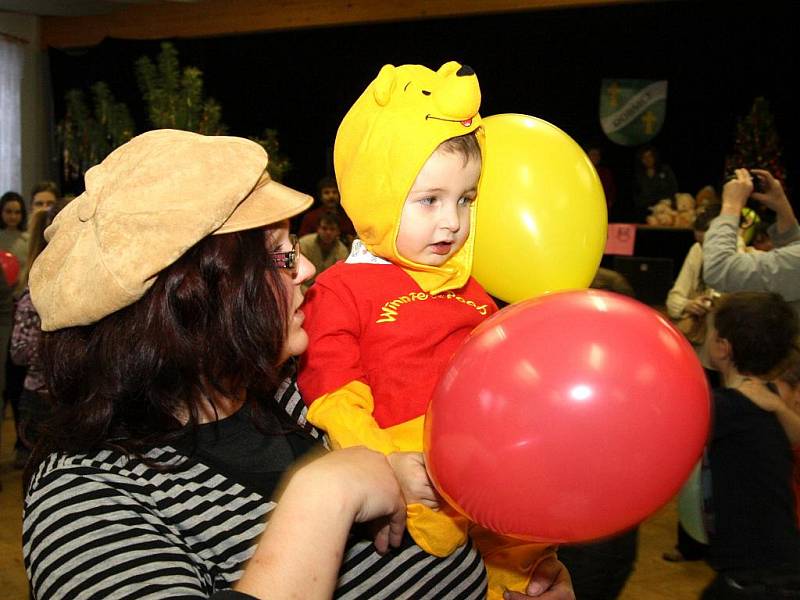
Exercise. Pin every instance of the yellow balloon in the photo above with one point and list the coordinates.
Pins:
(541, 220)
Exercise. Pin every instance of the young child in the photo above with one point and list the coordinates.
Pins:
(753, 531)
(383, 324)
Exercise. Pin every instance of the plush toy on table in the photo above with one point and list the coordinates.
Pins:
(663, 215)
(685, 213)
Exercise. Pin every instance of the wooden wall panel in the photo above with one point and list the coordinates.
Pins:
(219, 17)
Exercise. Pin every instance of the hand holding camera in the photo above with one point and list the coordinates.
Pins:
(770, 193)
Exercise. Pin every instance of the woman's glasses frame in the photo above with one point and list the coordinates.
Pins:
(288, 260)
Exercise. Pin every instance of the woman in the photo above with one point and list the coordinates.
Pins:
(13, 239)
(654, 181)
(169, 294)
(34, 400)
(44, 195)
(12, 226)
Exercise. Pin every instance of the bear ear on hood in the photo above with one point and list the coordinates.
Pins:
(448, 68)
(384, 85)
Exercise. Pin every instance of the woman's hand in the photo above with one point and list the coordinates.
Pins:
(698, 307)
(550, 581)
(761, 396)
(409, 467)
(368, 487)
(300, 552)
(758, 393)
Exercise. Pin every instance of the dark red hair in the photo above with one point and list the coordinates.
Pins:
(214, 322)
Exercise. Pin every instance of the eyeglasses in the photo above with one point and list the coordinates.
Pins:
(288, 260)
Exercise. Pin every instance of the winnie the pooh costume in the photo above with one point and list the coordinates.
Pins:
(382, 327)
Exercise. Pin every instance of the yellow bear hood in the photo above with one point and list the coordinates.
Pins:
(381, 146)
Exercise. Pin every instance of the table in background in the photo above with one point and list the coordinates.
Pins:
(653, 261)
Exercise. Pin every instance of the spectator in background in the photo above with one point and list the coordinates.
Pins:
(323, 248)
(607, 279)
(606, 176)
(44, 195)
(690, 298)
(782, 398)
(688, 304)
(775, 271)
(654, 181)
(707, 195)
(13, 239)
(13, 223)
(753, 531)
(25, 337)
(329, 201)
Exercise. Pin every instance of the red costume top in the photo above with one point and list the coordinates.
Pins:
(372, 323)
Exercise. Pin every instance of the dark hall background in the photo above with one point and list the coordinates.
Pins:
(717, 57)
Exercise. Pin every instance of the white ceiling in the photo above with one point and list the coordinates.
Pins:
(71, 8)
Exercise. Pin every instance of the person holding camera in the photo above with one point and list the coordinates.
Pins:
(775, 271)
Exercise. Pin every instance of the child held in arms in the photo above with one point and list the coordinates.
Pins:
(383, 324)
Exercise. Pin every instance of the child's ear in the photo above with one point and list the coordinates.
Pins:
(384, 85)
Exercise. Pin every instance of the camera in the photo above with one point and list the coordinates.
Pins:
(758, 183)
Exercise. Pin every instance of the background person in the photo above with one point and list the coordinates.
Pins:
(44, 195)
(323, 248)
(13, 224)
(653, 181)
(329, 202)
(34, 399)
(13, 239)
(605, 174)
(775, 271)
(753, 531)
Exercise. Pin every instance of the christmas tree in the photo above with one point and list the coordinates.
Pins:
(279, 163)
(757, 145)
(86, 135)
(174, 97)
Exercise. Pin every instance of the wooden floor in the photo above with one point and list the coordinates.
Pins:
(653, 579)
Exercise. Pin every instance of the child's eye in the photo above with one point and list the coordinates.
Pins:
(465, 200)
(428, 201)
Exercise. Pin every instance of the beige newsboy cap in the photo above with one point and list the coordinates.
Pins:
(146, 204)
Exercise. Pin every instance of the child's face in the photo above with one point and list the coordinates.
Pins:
(436, 215)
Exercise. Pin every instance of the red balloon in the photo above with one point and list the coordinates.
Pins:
(10, 267)
(566, 418)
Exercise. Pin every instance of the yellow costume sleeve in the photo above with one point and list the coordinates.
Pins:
(509, 561)
(346, 415)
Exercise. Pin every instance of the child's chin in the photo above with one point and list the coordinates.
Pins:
(437, 260)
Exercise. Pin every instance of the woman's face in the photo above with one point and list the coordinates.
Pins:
(43, 200)
(12, 214)
(296, 338)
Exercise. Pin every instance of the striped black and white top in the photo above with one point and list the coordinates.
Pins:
(104, 525)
